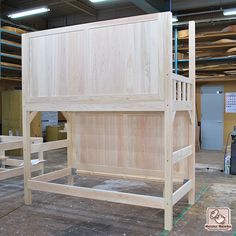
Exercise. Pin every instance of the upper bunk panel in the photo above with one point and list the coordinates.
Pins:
(123, 59)
(126, 56)
(57, 64)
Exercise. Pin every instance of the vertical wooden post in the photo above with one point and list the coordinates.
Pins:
(26, 118)
(191, 160)
(41, 158)
(2, 155)
(168, 132)
(70, 155)
(27, 156)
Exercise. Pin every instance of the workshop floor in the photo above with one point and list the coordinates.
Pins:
(60, 215)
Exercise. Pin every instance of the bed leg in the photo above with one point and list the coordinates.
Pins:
(27, 156)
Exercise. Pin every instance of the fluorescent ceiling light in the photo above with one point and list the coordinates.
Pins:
(229, 12)
(174, 19)
(29, 12)
(94, 1)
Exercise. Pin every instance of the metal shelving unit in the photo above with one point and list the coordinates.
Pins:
(10, 51)
(179, 46)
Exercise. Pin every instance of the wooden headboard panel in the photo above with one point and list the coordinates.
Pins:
(119, 57)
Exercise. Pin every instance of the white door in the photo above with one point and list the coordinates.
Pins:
(212, 117)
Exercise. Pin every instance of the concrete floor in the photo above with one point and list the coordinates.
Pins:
(60, 215)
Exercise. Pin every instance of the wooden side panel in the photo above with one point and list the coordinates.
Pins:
(120, 140)
(125, 141)
(181, 130)
(181, 139)
(124, 57)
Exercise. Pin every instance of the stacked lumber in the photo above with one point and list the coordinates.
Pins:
(215, 54)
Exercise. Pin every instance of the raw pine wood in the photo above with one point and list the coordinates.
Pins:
(53, 175)
(182, 153)
(183, 190)
(168, 133)
(26, 119)
(17, 166)
(126, 116)
(192, 65)
(17, 171)
(98, 194)
(119, 72)
(43, 147)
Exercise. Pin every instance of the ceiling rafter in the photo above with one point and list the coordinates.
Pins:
(145, 6)
(81, 7)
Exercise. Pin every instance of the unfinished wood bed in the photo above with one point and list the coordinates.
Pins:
(128, 115)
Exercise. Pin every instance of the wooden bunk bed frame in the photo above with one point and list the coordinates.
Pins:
(10, 166)
(128, 114)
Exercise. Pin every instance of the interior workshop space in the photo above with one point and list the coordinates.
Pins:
(117, 117)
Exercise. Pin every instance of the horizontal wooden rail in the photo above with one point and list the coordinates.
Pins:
(182, 154)
(13, 162)
(53, 175)
(182, 191)
(98, 194)
(90, 107)
(43, 147)
(10, 173)
(14, 142)
(182, 106)
(12, 145)
(181, 78)
(97, 99)
(129, 173)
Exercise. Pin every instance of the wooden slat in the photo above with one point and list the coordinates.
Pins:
(212, 46)
(182, 154)
(182, 191)
(181, 78)
(10, 173)
(182, 106)
(98, 194)
(174, 90)
(184, 91)
(129, 173)
(43, 147)
(179, 91)
(11, 145)
(53, 175)
(177, 179)
(188, 92)
(14, 162)
(212, 35)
